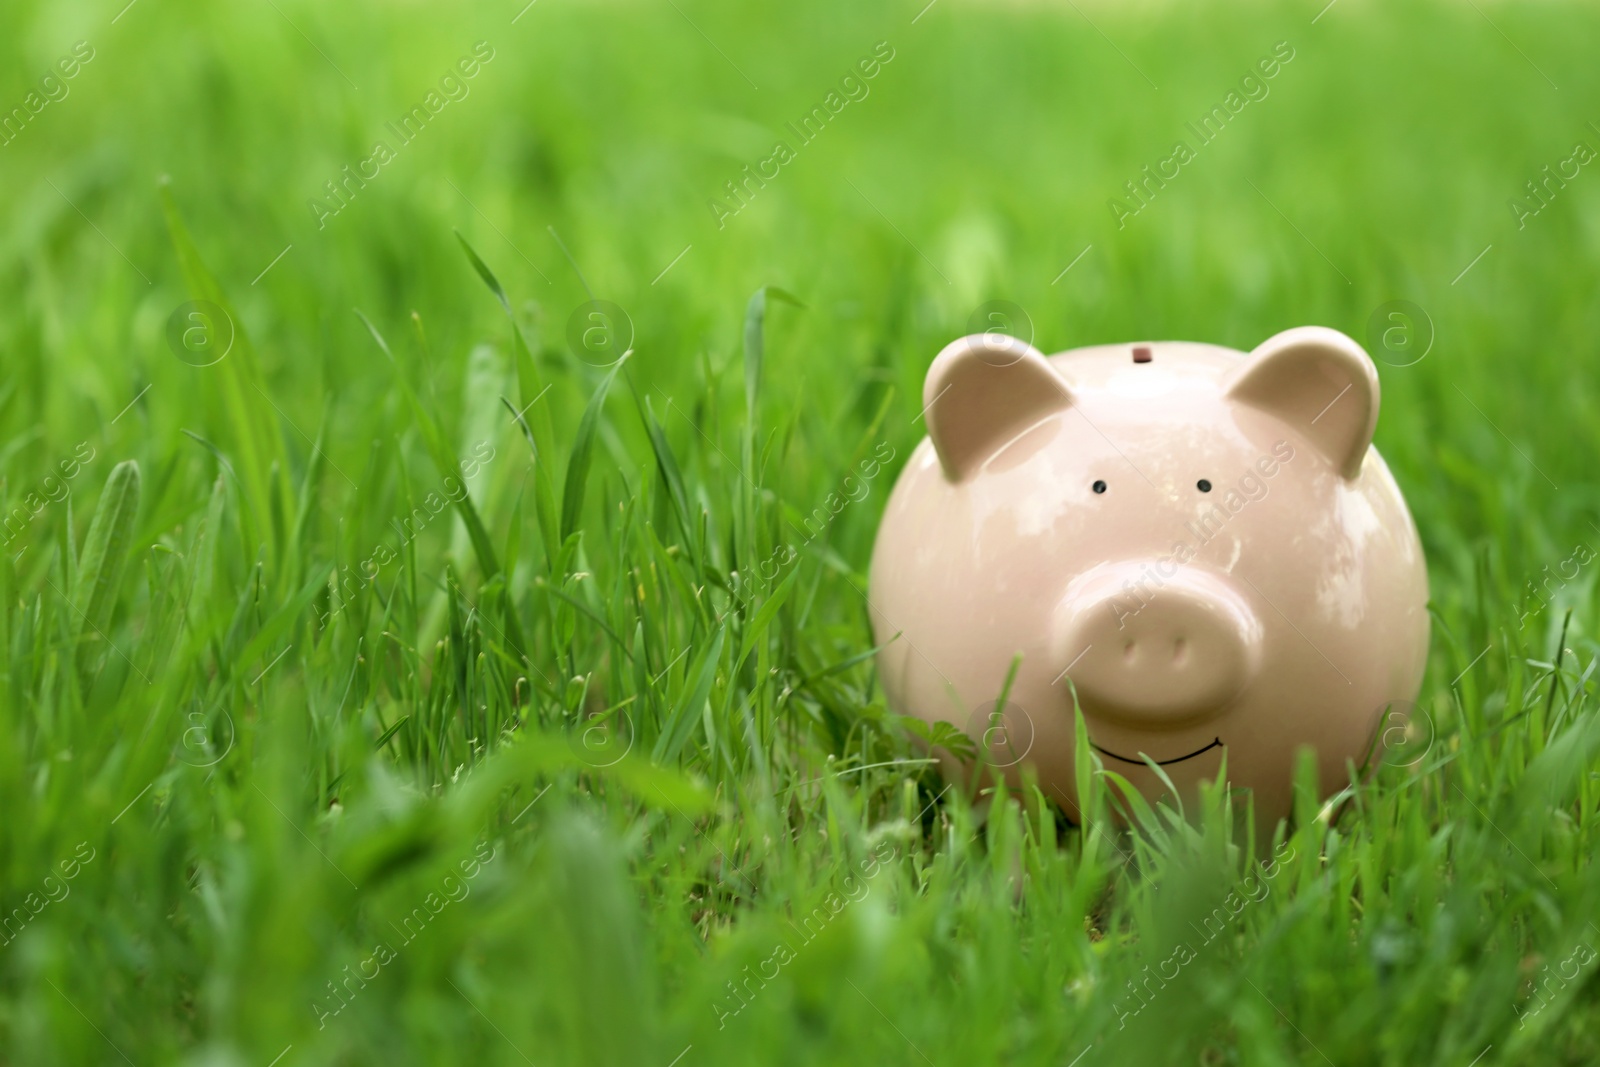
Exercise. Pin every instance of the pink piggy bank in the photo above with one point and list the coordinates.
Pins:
(1202, 544)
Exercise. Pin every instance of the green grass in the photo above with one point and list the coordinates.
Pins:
(255, 774)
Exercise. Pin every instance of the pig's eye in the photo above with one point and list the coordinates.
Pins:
(1203, 485)
(1099, 487)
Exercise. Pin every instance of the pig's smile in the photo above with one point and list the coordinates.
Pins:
(1216, 743)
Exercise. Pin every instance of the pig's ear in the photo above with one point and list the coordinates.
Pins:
(1320, 382)
(982, 392)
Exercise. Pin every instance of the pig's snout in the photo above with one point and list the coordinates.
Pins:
(1145, 647)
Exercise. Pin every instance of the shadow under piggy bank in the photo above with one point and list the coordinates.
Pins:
(1200, 543)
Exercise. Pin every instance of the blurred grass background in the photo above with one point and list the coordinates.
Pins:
(671, 764)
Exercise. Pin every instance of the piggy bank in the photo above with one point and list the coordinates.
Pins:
(1199, 546)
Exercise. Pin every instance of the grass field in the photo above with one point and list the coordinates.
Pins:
(404, 691)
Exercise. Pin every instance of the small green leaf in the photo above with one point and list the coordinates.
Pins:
(447, 465)
(755, 315)
(280, 622)
(105, 551)
(582, 448)
(257, 437)
(764, 616)
(680, 727)
(390, 732)
(941, 734)
(668, 466)
(485, 273)
(529, 381)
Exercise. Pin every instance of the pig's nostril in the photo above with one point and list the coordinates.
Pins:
(1128, 651)
(1180, 651)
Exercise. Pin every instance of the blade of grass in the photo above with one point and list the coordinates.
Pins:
(582, 448)
(250, 424)
(680, 726)
(105, 551)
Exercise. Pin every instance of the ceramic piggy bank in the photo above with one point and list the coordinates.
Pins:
(1203, 545)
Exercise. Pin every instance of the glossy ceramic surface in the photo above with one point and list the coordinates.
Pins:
(1202, 543)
